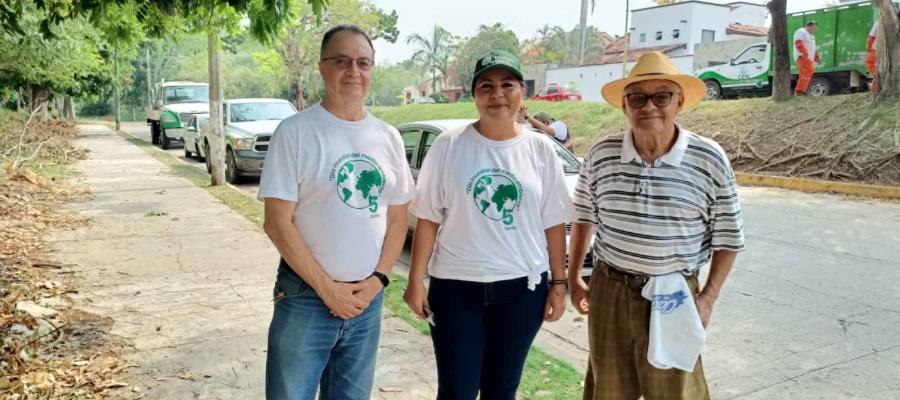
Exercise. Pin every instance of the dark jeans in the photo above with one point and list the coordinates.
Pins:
(482, 334)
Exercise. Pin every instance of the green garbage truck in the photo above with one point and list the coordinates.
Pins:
(841, 43)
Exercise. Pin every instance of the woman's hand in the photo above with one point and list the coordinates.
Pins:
(556, 303)
(416, 297)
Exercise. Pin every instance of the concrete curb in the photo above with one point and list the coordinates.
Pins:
(817, 186)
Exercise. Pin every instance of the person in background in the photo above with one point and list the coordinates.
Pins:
(551, 127)
(804, 54)
(872, 54)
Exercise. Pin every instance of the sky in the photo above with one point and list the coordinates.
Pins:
(524, 17)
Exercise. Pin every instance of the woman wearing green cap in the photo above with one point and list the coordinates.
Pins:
(492, 204)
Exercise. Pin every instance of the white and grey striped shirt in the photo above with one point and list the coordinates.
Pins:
(661, 217)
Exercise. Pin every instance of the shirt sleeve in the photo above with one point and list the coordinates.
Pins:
(281, 170)
(556, 202)
(585, 203)
(727, 223)
(562, 132)
(405, 188)
(429, 202)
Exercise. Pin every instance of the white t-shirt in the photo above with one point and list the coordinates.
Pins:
(562, 132)
(809, 41)
(342, 175)
(493, 199)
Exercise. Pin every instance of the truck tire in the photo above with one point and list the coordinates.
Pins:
(187, 152)
(231, 173)
(207, 158)
(164, 142)
(713, 90)
(819, 86)
(154, 132)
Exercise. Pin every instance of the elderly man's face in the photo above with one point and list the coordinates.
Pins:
(346, 82)
(663, 102)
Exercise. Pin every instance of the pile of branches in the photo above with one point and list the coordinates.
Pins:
(860, 148)
(37, 140)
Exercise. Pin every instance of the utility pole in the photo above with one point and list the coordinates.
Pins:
(116, 86)
(149, 82)
(583, 34)
(627, 40)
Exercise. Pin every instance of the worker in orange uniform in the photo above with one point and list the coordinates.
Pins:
(871, 56)
(804, 54)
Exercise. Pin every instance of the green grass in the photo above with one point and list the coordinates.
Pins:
(545, 377)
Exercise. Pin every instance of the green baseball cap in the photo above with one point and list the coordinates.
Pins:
(497, 59)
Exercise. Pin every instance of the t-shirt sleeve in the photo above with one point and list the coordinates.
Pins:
(727, 223)
(281, 170)
(429, 201)
(405, 188)
(562, 132)
(556, 207)
(585, 203)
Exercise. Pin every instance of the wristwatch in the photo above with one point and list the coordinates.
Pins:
(382, 277)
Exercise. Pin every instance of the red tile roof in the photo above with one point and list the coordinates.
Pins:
(746, 30)
(634, 54)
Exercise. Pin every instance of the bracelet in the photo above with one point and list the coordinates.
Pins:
(559, 282)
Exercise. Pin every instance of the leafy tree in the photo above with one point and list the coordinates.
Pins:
(388, 82)
(555, 45)
(435, 52)
(488, 38)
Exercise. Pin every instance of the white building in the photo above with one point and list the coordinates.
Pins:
(673, 29)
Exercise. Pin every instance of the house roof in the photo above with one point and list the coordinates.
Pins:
(634, 54)
(617, 45)
(729, 5)
(746, 30)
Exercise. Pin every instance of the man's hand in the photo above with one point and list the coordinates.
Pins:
(340, 299)
(579, 295)
(704, 308)
(369, 288)
(416, 297)
(555, 305)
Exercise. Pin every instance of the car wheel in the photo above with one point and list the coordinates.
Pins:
(713, 90)
(187, 153)
(820, 86)
(208, 162)
(154, 132)
(164, 142)
(197, 151)
(231, 173)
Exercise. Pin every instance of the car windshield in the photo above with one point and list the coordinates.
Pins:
(246, 112)
(571, 165)
(186, 94)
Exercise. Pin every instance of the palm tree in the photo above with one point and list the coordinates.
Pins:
(434, 54)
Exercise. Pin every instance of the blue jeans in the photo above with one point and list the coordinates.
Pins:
(482, 335)
(309, 348)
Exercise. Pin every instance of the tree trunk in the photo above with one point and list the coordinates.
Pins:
(149, 83)
(68, 108)
(216, 127)
(298, 88)
(117, 102)
(888, 45)
(19, 100)
(781, 78)
(582, 39)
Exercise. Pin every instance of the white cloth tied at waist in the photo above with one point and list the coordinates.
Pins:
(534, 279)
(676, 332)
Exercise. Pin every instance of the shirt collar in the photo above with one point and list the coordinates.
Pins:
(673, 157)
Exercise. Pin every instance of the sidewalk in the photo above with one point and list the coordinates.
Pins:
(189, 283)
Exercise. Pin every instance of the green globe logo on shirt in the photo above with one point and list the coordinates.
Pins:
(497, 194)
(359, 181)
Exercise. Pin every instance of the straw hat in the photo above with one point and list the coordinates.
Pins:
(655, 65)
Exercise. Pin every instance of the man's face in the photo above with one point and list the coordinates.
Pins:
(811, 29)
(650, 117)
(350, 83)
(498, 94)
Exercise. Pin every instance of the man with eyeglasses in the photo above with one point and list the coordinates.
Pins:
(336, 186)
(663, 203)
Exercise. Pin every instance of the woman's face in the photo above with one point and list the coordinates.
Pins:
(498, 95)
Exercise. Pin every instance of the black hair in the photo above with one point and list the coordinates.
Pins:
(341, 28)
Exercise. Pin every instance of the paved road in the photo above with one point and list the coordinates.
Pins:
(811, 310)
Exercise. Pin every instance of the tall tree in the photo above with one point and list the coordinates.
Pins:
(778, 37)
(434, 52)
(489, 37)
(123, 33)
(888, 45)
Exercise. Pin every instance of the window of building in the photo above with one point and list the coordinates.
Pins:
(643, 37)
(707, 36)
(676, 33)
(658, 35)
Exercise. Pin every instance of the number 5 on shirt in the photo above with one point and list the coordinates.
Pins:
(373, 204)
(507, 216)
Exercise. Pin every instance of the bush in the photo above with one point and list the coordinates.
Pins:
(466, 98)
(439, 97)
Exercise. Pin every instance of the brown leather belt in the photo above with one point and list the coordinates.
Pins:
(634, 281)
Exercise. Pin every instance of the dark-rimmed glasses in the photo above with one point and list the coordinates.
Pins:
(659, 99)
(344, 62)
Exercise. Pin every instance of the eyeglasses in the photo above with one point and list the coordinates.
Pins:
(344, 62)
(659, 99)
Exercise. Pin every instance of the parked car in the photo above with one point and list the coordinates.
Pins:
(423, 100)
(418, 137)
(554, 92)
(249, 124)
(192, 135)
(174, 103)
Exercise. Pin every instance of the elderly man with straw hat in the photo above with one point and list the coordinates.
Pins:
(662, 202)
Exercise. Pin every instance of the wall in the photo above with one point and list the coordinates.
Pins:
(590, 78)
(697, 17)
(705, 16)
(749, 15)
(537, 73)
(721, 51)
(665, 19)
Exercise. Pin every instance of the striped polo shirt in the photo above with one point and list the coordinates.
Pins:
(660, 217)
